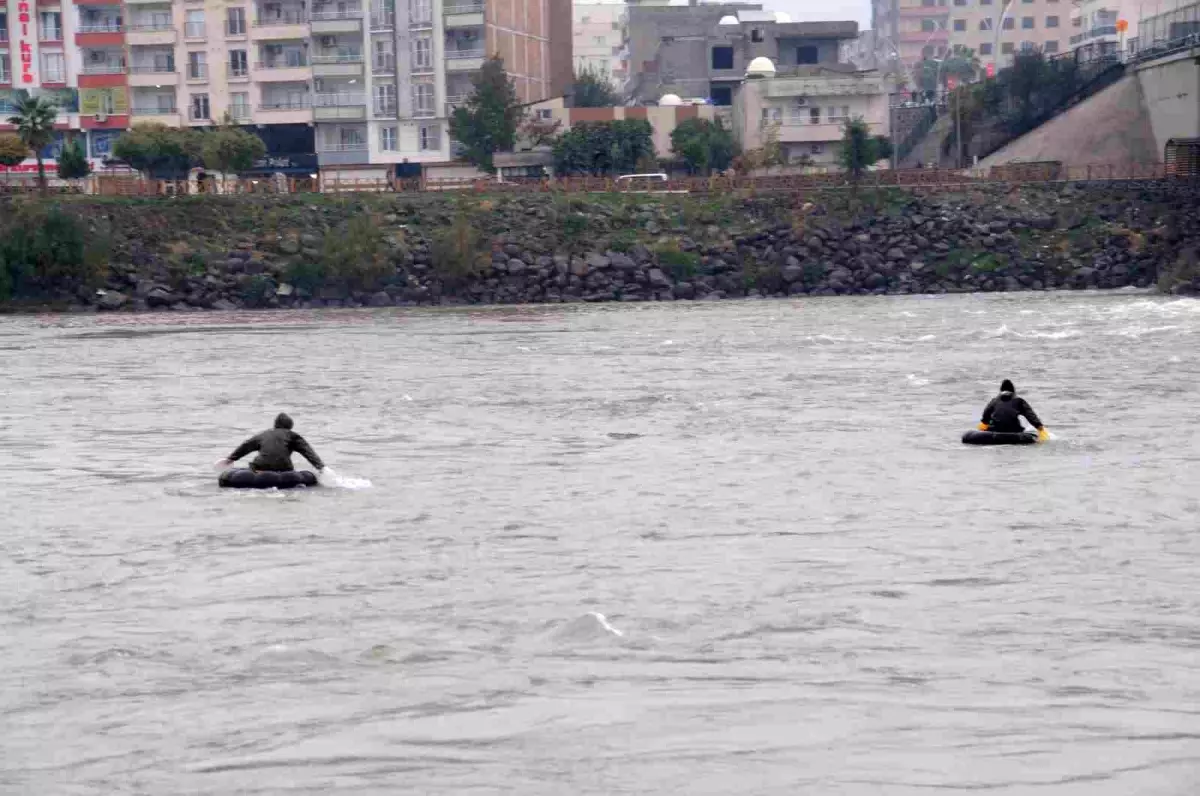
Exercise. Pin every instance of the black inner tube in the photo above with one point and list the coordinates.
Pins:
(265, 479)
(999, 438)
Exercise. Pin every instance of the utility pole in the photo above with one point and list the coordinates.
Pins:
(958, 161)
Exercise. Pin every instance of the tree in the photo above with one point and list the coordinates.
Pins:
(961, 64)
(859, 150)
(12, 150)
(73, 163)
(158, 150)
(229, 149)
(593, 89)
(34, 119)
(600, 148)
(487, 122)
(771, 153)
(703, 145)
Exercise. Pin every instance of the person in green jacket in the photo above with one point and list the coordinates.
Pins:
(275, 448)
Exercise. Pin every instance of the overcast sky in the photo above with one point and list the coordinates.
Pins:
(805, 10)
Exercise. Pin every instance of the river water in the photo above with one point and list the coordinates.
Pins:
(707, 548)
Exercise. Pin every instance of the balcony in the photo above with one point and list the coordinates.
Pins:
(1097, 32)
(235, 28)
(465, 60)
(151, 33)
(197, 73)
(463, 15)
(45, 35)
(383, 65)
(352, 113)
(285, 25)
(239, 113)
(199, 114)
(797, 130)
(386, 110)
(342, 154)
(168, 115)
(284, 70)
(153, 75)
(381, 22)
(104, 33)
(301, 104)
(427, 112)
(195, 31)
(346, 20)
(103, 69)
(347, 64)
(455, 101)
(340, 99)
(237, 74)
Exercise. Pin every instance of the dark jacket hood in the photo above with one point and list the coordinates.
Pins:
(1007, 386)
(283, 421)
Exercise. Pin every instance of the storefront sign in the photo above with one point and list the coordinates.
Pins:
(26, 59)
(109, 101)
(286, 164)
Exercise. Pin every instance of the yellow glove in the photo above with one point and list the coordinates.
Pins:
(1043, 434)
(983, 426)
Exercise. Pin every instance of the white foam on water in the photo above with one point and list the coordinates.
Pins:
(330, 478)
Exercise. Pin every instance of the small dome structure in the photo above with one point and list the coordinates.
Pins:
(670, 100)
(729, 19)
(783, 17)
(761, 67)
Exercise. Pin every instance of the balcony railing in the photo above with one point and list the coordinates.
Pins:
(47, 34)
(103, 69)
(282, 18)
(194, 30)
(422, 68)
(339, 99)
(385, 109)
(239, 113)
(54, 77)
(100, 27)
(383, 63)
(152, 69)
(199, 114)
(153, 110)
(464, 55)
(463, 8)
(197, 72)
(352, 146)
(286, 105)
(299, 62)
(239, 71)
(382, 22)
(235, 27)
(345, 13)
(337, 58)
(424, 113)
(151, 27)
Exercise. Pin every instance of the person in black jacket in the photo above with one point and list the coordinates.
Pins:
(1003, 414)
(275, 448)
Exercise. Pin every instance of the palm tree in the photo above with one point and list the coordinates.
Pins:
(34, 120)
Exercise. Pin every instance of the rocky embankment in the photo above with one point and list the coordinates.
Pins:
(391, 250)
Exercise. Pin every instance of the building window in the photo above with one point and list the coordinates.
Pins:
(1051, 46)
(199, 110)
(545, 114)
(385, 99)
(928, 26)
(927, 52)
(235, 21)
(194, 27)
(1010, 23)
(429, 137)
(814, 115)
(722, 58)
(239, 105)
(1027, 47)
(960, 3)
(54, 68)
(818, 149)
(1007, 48)
(960, 25)
(387, 139)
(985, 48)
(422, 94)
(383, 56)
(807, 55)
(422, 54)
(722, 96)
(1026, 23)
(197, 68)
(756, 35)
(1052, 22)
(238, 65)
(51, 25)
(985, 2)
(985, 24)
(929, 3)
(100, 142)
(420, 11)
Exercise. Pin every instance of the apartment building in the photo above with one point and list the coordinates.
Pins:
(354, 84)
(996, 30)
(702, 51)
(1097, 29)
(599, 36)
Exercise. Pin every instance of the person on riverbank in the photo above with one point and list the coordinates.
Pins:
(275, 447)
(1004, 412)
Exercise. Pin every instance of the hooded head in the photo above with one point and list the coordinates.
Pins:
(1007, 386)
(283, 421)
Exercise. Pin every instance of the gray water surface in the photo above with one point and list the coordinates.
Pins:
(714, 548)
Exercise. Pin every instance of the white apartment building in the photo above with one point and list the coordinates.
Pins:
(599, 36)
(358, 85)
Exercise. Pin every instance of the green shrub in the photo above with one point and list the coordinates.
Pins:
(682, 265)
(623, 241)
(306, 275)
(354, 256)
(45, 251)
(456, 250)
(254, 290)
